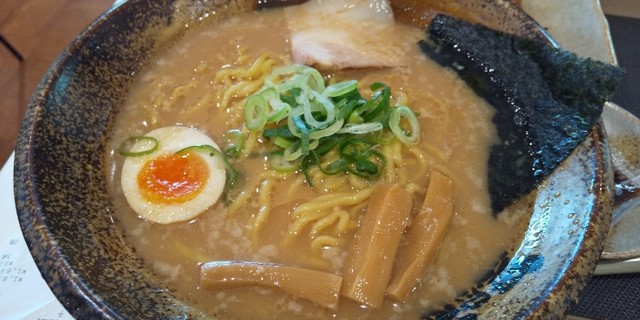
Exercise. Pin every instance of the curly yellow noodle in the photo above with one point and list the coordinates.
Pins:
(242, 57)
(396, 152)
(357, 182)
(251, 142)
(264, 200)
(316, 175)
(329, 201)
(239, 81)
(202, 68)
(240, 200)
(299, 223)
(342, 218)
(332, 183)
(325, 241)
(262, 64)
(181, 91)
(239, 90)
(320, 221)
(298, 183)
(420, 157)
(323, 223)
(359, 207)
(389, 173)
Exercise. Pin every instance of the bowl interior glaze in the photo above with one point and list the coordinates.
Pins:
(66, 214)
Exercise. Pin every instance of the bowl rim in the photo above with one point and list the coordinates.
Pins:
(43, 244)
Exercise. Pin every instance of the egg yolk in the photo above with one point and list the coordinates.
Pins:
(173, 178)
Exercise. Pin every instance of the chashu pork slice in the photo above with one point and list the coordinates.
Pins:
(332, 34)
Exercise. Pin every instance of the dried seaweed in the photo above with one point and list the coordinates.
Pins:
(546, 99)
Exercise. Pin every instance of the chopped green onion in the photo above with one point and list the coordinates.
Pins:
(293, 124)
(341, 88)
(279, 109)
(357, 157)
(299, 75)
(362, 128)
(138, 146)
(296, 150)
(328, 144)
(366, 166)
(304, 132)
(409, 136)
(282, 131)
(335, 167)
(256, 111)
(234, 142)
(345, 107)
(381, 95)
(367, 169)
(320, 119)
(282, 142)
(279, 114)
(382, 137)
(328, 131)
(280, 164)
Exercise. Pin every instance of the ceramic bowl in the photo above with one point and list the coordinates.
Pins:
(66, 214)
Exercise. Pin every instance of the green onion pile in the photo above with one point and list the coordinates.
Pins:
(306, 119)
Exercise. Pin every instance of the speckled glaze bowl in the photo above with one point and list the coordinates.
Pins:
(66, 214)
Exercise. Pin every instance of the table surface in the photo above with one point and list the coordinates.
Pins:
(23, 24)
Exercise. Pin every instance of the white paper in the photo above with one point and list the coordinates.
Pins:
(23, 292)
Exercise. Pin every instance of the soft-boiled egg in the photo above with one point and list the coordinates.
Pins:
(166, 186)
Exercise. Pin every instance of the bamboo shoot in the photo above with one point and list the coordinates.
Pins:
(373, 249)
(423, 237)
(320, 287)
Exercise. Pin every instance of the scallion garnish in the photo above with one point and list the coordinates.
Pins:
(280, 164)
(407, 136)
(307, 119)
(138, 146)
(234, 143)
(256, 112)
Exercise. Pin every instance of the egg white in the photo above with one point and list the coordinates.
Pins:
(170, 140)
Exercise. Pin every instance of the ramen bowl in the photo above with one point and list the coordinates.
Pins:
(67, 215)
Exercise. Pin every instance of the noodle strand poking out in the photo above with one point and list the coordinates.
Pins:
(264, 197)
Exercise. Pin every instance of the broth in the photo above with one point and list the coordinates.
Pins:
(454, 121)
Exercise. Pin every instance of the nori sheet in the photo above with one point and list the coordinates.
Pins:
(546, 99)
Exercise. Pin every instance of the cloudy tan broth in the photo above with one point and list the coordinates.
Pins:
(453, 120)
